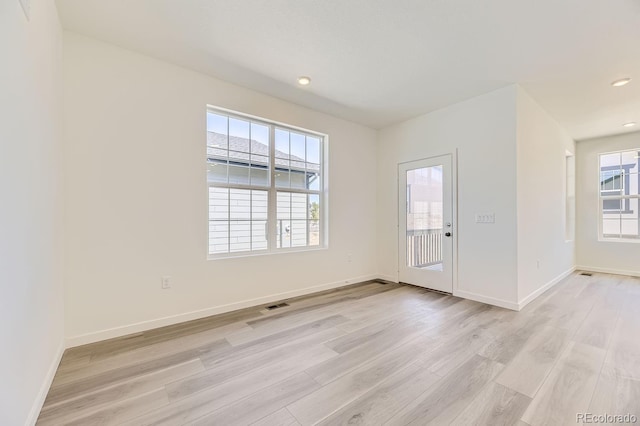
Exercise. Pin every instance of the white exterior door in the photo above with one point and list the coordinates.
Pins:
(426, 223)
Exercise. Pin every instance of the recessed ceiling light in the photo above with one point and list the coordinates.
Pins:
(629, 124)
(304, 81)
(621, 82)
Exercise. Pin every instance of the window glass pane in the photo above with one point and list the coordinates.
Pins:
(217, 153)
(298, 233)
(239, 236)
(282, 177)
(610, 220)
(283, 205)
(632, 183)
(313, 150)
(259, 139)
(259, 235)
(610, 180)
(239, 158)
(298, 166)
(298, 147)
(239, 204)
(217, 141)
(631, 209)
(217, 171)
(282, 143)
(259, 205)
(630, 161)
(314, 220)
(238, 173)
(299, 206)
(218, 236)
(216, 123)
(612, 206)
(298, 178)
(218, 220)
(218, 203)
(238, 135)
(283, 234)
(313, 180)
(283, 208)
(259, 170)
(630, 219)
(314, 207)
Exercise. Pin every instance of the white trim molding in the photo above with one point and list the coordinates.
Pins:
(390, 278)
(531, 297)
(608, 271)
(111, 333)
(486, 299)
(46, 385)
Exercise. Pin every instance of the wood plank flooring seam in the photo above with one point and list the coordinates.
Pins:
(603, 363)
(113, 385)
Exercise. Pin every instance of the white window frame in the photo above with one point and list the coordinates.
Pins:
(601, 198)
(272, 190)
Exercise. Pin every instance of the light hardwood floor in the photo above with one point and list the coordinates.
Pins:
(373, 353)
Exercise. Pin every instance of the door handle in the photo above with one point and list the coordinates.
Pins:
(447, 234)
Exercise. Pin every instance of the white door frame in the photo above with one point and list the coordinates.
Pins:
(454, 213)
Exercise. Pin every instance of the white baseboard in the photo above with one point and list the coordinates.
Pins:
(44, 388)
(387, 278)
(486, 299)
(110, 333)
(524, 302)
(608, 271)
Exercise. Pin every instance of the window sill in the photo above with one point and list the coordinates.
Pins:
(619, 240)
(276, 252)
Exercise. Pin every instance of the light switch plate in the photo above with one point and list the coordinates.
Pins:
(26, 7)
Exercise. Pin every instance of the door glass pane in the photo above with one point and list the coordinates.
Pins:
(425, 220)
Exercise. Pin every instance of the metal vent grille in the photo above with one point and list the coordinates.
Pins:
(586, 274)
(279, 305)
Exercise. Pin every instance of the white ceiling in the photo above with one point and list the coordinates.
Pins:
(379, 62)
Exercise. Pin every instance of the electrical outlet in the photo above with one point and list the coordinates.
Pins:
(166, 282)
(538, 264)
(349, 257)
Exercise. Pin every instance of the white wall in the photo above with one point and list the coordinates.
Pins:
(31, 301)
(483, 131)
(136, 208)
(542, 148)
(614, 257)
